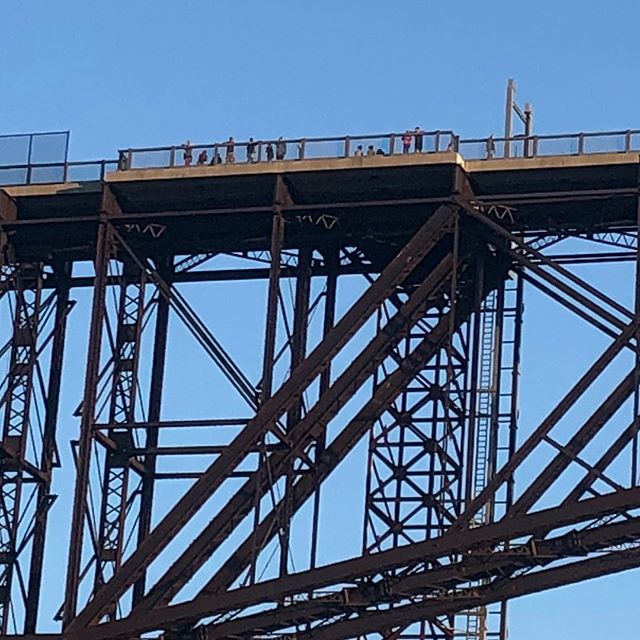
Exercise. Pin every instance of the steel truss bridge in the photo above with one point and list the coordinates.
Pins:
(422, 365)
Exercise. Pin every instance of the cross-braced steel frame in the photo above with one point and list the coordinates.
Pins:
(421, 366)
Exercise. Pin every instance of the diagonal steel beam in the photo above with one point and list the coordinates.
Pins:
(427, 582)
(545, 427)
(516, 587)
(347, 571)
(344, 386)
(409, 257)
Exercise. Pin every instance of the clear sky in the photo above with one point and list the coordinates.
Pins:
(156, 72)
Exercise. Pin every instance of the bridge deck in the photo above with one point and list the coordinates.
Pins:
(334, 200)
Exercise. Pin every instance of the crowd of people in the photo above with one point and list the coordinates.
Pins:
(277, 149)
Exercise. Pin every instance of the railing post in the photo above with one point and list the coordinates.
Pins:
(172, 157)
(129, 158)
(65, 171)
(535, 146)
(437, 142)
(259, 154)
(347, 147)
(392, 144)
(627, 141)
(302, 148)
(581, 144)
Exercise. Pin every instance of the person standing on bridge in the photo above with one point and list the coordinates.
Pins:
(281, 149)
(269, 152)
(358, 151)
(418, 135)
(187, 154)
(202, 157)
(230, 146)
(406, 141)
(251, 151)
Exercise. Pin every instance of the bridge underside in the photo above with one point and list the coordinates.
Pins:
(421, 364)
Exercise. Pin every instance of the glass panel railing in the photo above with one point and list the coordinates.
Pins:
(48, 174)
(150, 159)
(556, 146)
(14, 150)
(85, 172)
(13, 176)
(49, 148)
(604, 143)
(313, 149)
(634, 141)
(473, 149)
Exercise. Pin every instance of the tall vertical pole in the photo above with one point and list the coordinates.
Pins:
(271, 330)
(508, 116)
(87, 421)
(325, 381)
(298, 352)
(155, 405)
(277, 239)
(636, 392)
(62, 272)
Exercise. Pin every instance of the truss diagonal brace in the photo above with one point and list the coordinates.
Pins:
(405, 262)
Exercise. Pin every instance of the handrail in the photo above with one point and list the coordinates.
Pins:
(316, 148)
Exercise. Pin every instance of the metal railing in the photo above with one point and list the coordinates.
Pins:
(254, 151)
(572, 144)
(55, 172)
(258, 151)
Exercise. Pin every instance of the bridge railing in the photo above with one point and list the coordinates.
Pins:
(573, 144)
(289, 149)
(55, 172)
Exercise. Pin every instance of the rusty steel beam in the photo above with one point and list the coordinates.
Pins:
(436, 583)
(103, 248)
(532, 583)
(238, 507)
(452, 542)
(47, 458)
(400, 267)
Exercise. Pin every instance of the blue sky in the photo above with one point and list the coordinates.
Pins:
(148, 73)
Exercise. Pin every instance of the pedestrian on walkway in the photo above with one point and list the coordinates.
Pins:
(187, 154)
(269, 152)
(281, 149)
(418, 135)
(230, 147)
(406, 141)
(371, 151)
(358, 152)
(202, 157)
(251, 151)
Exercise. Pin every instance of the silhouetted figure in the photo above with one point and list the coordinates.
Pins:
(281, 149)
(202, 157)
(187, 154)
(380, 152)
(230, 146)
(406, 142)
(418, 135)
(358, 151)
(251, 151)
(491, 147)
(371, 151)
(269, 151)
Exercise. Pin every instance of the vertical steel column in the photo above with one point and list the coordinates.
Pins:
(635, 477)
(332, 261)
(155, 405)
(103, 250)
(271, 330)
(62, 273)
(122, 410)
(298, 353)
(16, 424)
